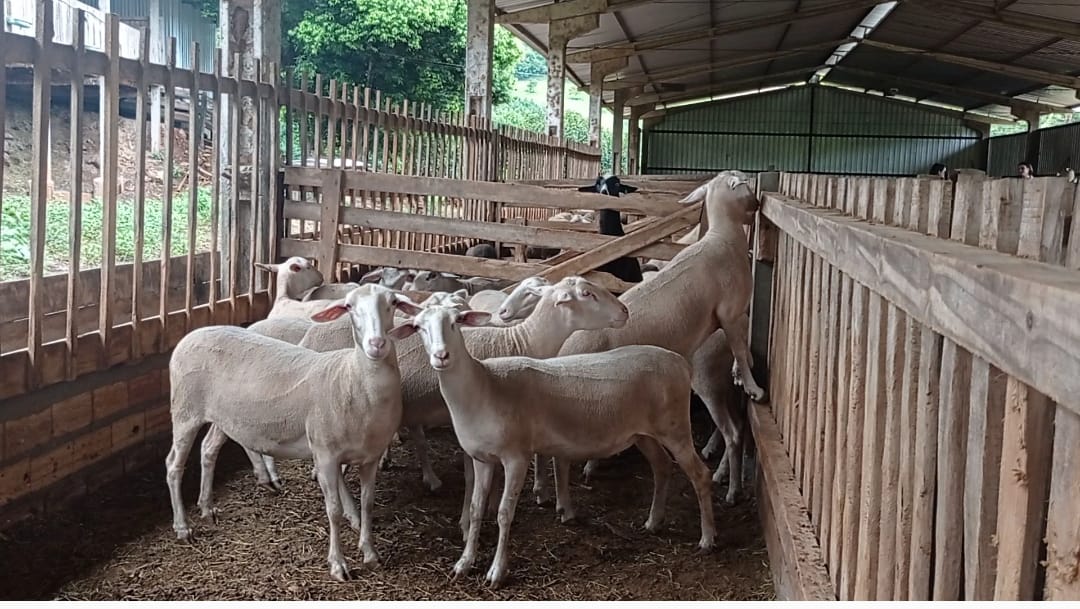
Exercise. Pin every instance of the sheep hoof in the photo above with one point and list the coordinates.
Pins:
(433, 483)
(211, 513)
(354, 521)
(339, 570)
(757, 395)
(184, 534)
(705, 545)
(543, 497)
(651, 526)
(731, 498)
(371, 560)
(495, 576)
(462, 568)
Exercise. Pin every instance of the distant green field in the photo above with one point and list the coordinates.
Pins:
(576, 101)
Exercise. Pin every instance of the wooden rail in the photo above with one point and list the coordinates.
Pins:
(923, 365)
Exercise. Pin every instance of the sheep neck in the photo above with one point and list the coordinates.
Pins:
(543, 333)
(722, 224)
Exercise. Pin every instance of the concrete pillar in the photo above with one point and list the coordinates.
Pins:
(479, 42)
(251, 28)
(561, 32)
(598, 71)
(1033, 139)
(617, 131)
(633, 146)
(157, 55)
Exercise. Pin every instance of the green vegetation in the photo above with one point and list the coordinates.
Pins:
(15, 237)
(1047, 120)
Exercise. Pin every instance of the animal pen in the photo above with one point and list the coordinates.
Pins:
(921, 439)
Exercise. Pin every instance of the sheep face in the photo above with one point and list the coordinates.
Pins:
(297, 274)
(608, 184)
(456, 300)
(390, 277)
(522, 300)
(371, 312)
(440, 331)
(431, 281)
(727, 195)
(591, 306)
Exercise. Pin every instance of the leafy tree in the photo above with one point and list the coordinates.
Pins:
(531, 116)
(407, 49)
(532, 66)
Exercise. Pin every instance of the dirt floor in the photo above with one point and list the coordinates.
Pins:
(119, 544)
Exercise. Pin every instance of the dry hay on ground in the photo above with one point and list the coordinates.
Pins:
(120, 545)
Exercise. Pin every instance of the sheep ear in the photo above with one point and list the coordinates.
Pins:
(405, 330)
(626, 188)
(462, 294)
(269, 268)
(474, 318)
(589, 188)
(697, 195)
(405, 305)
(332, 312)
(538, 290)
(373, 275)
(295, 268)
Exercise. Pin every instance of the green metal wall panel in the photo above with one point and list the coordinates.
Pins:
(810, 128)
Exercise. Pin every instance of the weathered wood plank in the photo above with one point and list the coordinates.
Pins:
(893, 371)
(987, 410)
(908, 414)
(925, 461)
(828, 401)
(843, 391)
(1063, 514)
(40, 178)
(1025, 322)
(952, 448)
(854, 455)
(800, 552)
(873, 429)
(1024, 477)
(77, 88)
(532, 196)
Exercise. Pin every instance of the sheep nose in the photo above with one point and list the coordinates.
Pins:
(441, 355)
(377, 342)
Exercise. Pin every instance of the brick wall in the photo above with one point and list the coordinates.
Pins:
(62, 440)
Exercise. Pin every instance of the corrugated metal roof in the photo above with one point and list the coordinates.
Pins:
(911, 24)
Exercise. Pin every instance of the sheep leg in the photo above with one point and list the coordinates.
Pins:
(712, 445)
(563, 504)
(660, 464)
(590, 468)
(367, 506)
(273, 479)
(738, 333)
(715, 393)
(348, 505)
(682, 448)
(514, 471)
(466, 506)
(419, 440)
(481, 484)
(184, 433)
(211, 446)
(541, 482)
(261, 466)
(330, 483)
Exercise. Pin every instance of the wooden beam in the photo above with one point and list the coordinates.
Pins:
(468, 229)
(484, 191)
(798, 566)
(729, 86)
(622, 246)
(565, 10)
(709, 68)
(660, 41)
(1014, 19)
(1026, 323)
(1033, 75)
(995, 98)
(446, 263)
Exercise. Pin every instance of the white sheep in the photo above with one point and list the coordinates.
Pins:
(294, 277)
(705, 288)
(329, 291)
(432, 281)
(512, 307)
(287, 401)
(506, 409)
(389, 277)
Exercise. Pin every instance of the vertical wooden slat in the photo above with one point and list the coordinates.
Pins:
(952, 451)
(1072, 256)
(111, 114)
(290, 114)
(987, 410)
(3, 121)
(843, 372)
(39, 191)
(811, 473)
(305, 145)
(1025, 459)
(234, 188)
(854, 457)
(831, 409)
(194, 147)
(925, 462)
(1063, 514)
(275, 193)
(75, 201)
(908, 415)
(873, 429)
(169, 99)
(215, 188)
(791, 397)
(895, 343)
(141, 130)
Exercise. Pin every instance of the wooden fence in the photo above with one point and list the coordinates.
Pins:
(924, 365)
(221, 183)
